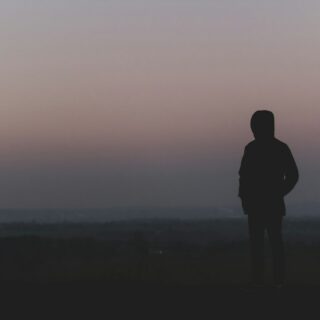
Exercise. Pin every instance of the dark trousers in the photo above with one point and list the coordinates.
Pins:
(257, 225)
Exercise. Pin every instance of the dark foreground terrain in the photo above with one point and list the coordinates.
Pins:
(156, 264)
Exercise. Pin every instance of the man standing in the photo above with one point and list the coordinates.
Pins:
(268, 172)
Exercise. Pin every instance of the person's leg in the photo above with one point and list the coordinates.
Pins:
(256, 234)
(274, 229)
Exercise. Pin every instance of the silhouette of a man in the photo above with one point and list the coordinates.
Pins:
(268, 172)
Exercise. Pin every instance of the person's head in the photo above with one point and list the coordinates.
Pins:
(262, 124)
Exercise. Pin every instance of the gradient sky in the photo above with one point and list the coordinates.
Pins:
(148, 102)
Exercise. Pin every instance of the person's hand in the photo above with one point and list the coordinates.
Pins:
(244, 205)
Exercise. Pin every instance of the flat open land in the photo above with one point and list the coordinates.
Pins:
(152, 263)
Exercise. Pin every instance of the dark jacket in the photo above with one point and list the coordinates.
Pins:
(268, 172)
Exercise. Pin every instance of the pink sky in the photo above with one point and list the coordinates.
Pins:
(148, 102)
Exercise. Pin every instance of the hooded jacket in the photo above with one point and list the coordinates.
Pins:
(268, 170)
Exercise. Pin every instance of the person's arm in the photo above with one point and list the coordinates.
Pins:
(242, 174)
(291, 173)
(242, 179)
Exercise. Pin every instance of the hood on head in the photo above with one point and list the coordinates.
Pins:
(262, 124)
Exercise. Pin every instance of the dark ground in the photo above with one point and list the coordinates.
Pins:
(150, 267)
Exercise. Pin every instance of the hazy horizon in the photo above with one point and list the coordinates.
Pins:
(147, 103)
(126, 214)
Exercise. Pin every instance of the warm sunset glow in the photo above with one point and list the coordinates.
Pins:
(146, 102)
